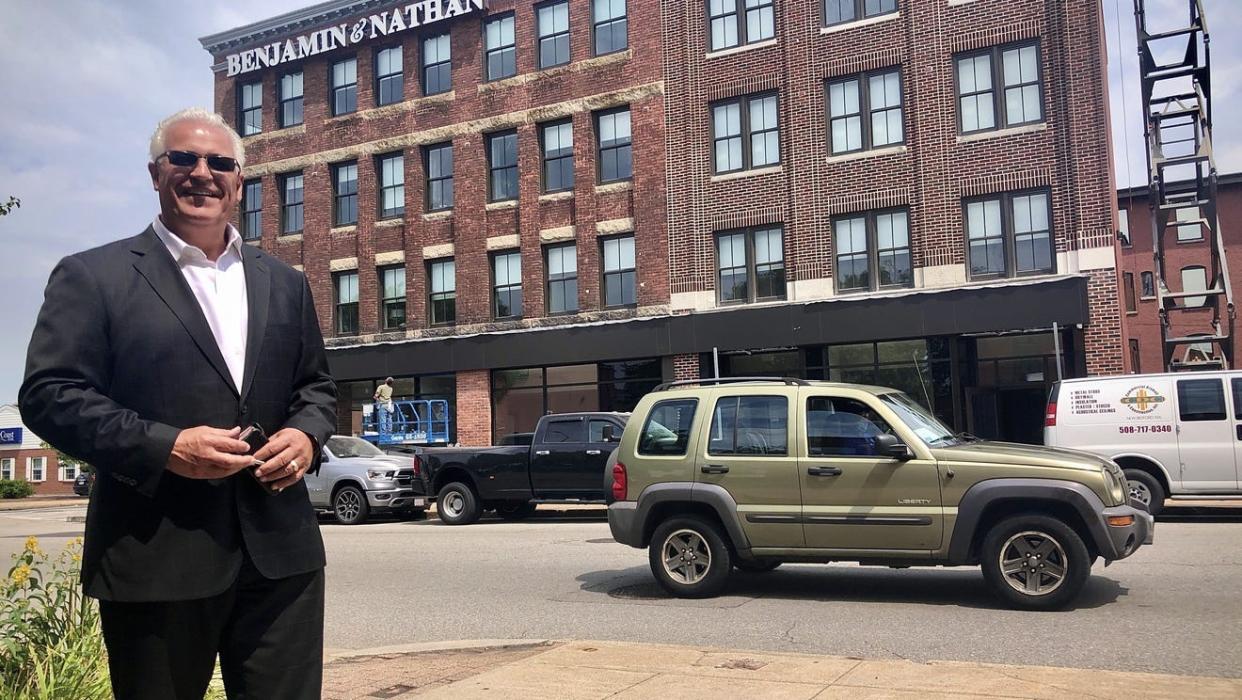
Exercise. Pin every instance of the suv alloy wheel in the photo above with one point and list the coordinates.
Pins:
(689, 557)
(350, 506)
(1035, 562)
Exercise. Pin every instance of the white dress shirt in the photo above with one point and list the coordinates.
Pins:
(220, 288)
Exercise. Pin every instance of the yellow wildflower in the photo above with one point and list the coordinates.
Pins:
(21, 574)
(32, 545)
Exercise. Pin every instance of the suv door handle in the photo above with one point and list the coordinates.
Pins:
(824, 471)
(714, 469)
(592, 452)
(542, 453)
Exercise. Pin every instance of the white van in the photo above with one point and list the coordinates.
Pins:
(1176, 435)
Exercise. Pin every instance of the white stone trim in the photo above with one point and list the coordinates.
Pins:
(747, 173)
(343, 264)
(389, 223)
(1087, 259)
(808, 290)
(954, 3)
(503, 242)
(299, 268)
(693, 301)
(741, 49)
(999, 133)
(352, 228)
(847, 26)
(933, 276)
(618, 186)
(439, 215)
(441, 250)
(557, 196)
(874, 153)
(392, 257)
(289, 238)
(609, 227)
(498, 206)
(562, 233)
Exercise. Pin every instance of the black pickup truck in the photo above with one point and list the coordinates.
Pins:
(563, 463)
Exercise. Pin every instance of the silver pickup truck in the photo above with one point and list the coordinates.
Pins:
(356, 479)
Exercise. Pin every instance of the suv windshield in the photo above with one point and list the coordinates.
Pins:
(353, 447)
(928, 427)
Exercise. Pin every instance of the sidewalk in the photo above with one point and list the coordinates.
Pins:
(588, 670)
(35, 502)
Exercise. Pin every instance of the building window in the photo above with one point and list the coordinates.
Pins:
(553, 25)
(842, 11)
(501, 58)
(1136, 363)
(1192, 231)
(437, 64)
(745, 133)
(502, 155)
(252, 210)
(1131, 305)
(1123, 227)
(250, 102)
(6, 468)
(558, 156)
(751, 265)
(619, 272)
(36, 469)
(737, 22)
(442, 275)
(291, 99)
(520, 396)
(507, 285)
(611, 26)
(389, 76)
(1019, 100)
(1194, 279)
(69, 472)
(864, 112)
(347, 303)
(345, 194)
(562, 267)
(873, 251)
(1009, 234)
(616, 159)
(392, 299)
(345, 87)
(439, 164)
(392, 185)
(1149, 284)
(291, 203)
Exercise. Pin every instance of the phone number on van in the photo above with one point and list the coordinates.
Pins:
(1130, 429)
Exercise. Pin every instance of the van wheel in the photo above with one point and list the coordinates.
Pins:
(1034, 562)
(457, 505)
(1146, 489)
(689, 557)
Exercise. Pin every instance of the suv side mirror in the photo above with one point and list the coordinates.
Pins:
(609, 435)
(323, 456)
(887, 445)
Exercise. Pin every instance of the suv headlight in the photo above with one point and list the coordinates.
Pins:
(381, 474)
(1116, 486)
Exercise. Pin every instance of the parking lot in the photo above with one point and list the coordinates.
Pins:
(1172, 608)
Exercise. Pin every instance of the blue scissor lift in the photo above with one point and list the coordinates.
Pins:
(414, 422)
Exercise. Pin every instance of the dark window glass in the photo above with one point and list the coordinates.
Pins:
(1009, 234)
(616, 160)
(392, 297)
(558, 156)
(291, 203)
(562, 269)
(291, 99)
(442, 283)
(1200, 399)
(873, 250)
(865, 112)
(610, 28)
(392, 185)
(344, 86)
(1149, 284)
(667, 430)
(553, 24)
(1128, 284)
(1136, 365)
(501, 52)
(736, 22)
(507, 285)
(1237, 395)
(565, 431)
(347, 303)
(999, 87)
(437, 64)
(502, 165)
(345, 194)
(389, 76)
(840, 11)
(750, 425)
(750, 265)
(745, 133)
(837, 427)
(250, 104)
(252, 211)
(595, 431)
(439, 176)
(619, 272)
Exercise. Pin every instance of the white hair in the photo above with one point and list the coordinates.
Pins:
(196, 114)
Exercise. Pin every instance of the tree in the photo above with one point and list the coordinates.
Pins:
(63, 460)
(13, 203)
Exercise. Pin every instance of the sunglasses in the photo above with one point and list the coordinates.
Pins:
(189, 159)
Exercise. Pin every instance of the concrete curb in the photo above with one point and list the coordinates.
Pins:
(59, 503)
(423, 647)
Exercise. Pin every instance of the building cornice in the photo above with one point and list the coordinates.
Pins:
(314, 16)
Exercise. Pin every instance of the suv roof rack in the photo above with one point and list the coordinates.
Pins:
(787, 381)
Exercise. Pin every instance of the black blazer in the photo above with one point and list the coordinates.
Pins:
(121, 360)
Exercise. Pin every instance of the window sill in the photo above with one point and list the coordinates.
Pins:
(955, 3)
(557, 196)
(619, 186)
(741, 49)
(1132, 313)
(289, 238)
(297, 130)
(1147, 298)
(498, 206)
(390, 223)
(350, 228)
(866, 22)
(998, 133)
(1189, 241)
(757, 172)
(873, 153)
(444, 215)
(446, 96)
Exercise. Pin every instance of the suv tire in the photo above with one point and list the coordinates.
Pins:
(1035, 562)
(1146, 488)
(515, 510)
(349, 505)
(689, 557)
(457, 505)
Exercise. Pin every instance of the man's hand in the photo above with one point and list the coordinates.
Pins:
(208, 453)
(286, 457)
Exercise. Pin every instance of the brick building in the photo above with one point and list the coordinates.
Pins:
(23, 457)
(1186, 259)
(594, 196)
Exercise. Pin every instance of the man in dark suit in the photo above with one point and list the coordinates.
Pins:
(148, 355)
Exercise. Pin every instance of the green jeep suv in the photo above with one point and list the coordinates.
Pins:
(712, 475)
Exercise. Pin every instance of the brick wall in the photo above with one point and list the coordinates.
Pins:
(474, 408)
(685, 366)
(51, 484)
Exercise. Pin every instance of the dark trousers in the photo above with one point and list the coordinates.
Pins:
(268, 633)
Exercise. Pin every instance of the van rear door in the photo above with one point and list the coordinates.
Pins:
(1205, 436)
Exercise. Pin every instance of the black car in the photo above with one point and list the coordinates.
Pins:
(84, 483)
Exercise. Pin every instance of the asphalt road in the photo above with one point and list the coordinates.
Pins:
(1175, 607)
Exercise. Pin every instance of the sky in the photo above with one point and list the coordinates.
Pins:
(86, 82)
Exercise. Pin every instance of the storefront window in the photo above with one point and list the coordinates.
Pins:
(921, 368)
(521, 396)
